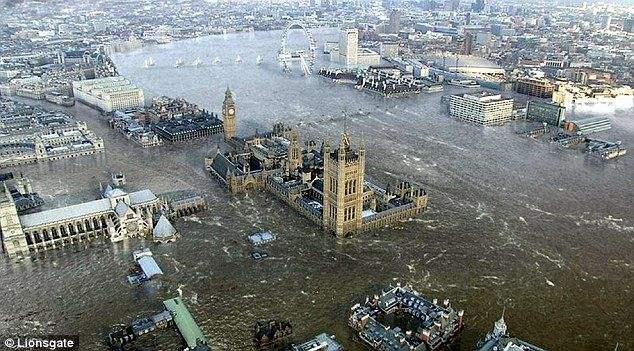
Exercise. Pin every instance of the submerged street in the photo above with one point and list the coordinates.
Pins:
(516, 223)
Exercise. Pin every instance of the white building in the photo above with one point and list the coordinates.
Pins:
(349, 46)
(482, 108)
(367, 57)
(109, 94)
(389, 50)
(348, 52)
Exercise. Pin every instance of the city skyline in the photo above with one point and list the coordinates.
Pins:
(317, 175)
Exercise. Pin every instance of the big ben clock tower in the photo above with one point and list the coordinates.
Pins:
(229, 115)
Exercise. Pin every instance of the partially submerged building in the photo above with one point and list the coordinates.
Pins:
(321, 342)
(116, 216)
(109, 94)
(29, 135)
(164, 231)
(587, 126)
(147, 267)
(483, 108)
(326, 184)
(174, 313)
(430, 325)
(545, 112)
(261, 238)
(499, 339)
(21, 191)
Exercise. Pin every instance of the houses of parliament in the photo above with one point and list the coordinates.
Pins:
(325, 183)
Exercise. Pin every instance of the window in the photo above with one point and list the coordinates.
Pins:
(351, 187)
(333, 185)
(349, 213)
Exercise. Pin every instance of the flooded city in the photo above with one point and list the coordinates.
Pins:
(542, 232)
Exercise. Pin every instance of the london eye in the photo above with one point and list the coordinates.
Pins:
(304, 57)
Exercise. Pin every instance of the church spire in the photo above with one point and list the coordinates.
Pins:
(345, 141)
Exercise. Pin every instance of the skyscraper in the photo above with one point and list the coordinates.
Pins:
(349, 46)
(344, 170)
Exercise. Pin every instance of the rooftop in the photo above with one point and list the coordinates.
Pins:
(483, 96)
(65, 213)
(185, 322)
(321, 342)
(149, 266)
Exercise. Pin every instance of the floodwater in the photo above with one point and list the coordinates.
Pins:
(513, 222)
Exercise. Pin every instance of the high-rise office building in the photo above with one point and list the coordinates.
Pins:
(349, 46)
(482, 108)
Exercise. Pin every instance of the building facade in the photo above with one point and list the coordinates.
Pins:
(109, 94)
(13, 240)
(30, 135)
(325, 184)
(541, 88)
(116, 216)
(545, 112)
(349, 46)
(344, 169)
(481, 108)
(389, 50)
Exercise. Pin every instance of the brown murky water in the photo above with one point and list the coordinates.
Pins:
(546, 232)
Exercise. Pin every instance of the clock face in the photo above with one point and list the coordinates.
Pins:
(231, 111)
